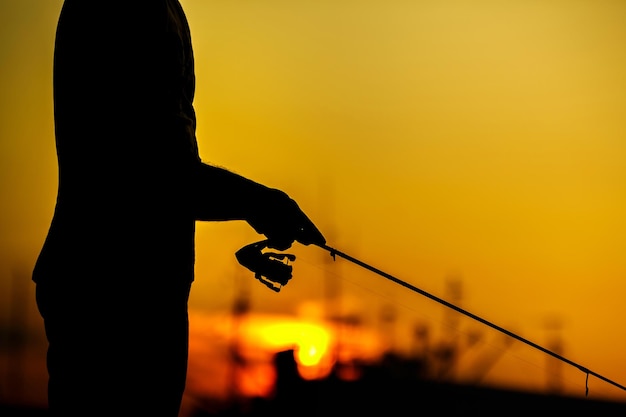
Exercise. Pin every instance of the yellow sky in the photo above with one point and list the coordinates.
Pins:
(431, 139)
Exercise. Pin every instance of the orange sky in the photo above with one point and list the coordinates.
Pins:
(484, 142)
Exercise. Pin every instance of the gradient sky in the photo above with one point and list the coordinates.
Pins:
(435, 140)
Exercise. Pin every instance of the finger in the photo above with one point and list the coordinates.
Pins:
(279, 243)
(311, 238)
(309, 234)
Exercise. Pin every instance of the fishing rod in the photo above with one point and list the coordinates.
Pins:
(273, 270)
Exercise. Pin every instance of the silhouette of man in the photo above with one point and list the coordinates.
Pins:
(115, 271)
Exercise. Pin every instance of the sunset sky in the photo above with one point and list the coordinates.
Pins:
(482, 142)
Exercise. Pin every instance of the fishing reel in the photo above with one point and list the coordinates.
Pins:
(270, 268)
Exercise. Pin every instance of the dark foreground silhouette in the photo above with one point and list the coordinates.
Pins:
(394, 387)
(115, 271)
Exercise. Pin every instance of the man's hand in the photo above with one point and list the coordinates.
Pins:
(281, 220)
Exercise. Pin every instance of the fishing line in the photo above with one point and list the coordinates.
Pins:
(334, 253)
(351, 280)
(273, 270)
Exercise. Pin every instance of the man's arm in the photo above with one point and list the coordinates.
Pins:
(220, 195)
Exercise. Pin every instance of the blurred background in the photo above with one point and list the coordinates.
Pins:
(476, 151)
